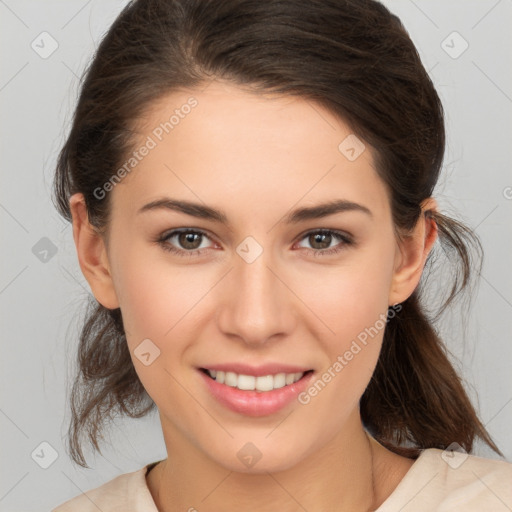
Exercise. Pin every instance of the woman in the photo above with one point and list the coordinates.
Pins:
(251, 190)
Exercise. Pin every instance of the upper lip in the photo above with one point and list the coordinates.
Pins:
(257, 371)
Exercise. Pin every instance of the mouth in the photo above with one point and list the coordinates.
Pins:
(261, 383)
(255, 395)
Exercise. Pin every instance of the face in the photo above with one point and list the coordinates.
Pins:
(247, 279)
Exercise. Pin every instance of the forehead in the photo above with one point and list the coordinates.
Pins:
(233, 148)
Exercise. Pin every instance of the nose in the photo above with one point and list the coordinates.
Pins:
(256, 305)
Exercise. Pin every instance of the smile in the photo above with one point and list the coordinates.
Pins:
(254, 383)
(255, 395)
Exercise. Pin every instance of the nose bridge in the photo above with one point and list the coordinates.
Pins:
(258, 306)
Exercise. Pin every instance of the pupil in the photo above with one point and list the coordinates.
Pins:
(188, 238)
(321, 238)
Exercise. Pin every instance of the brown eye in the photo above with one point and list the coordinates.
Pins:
(184, 242)
(321, 241)
(189, 240)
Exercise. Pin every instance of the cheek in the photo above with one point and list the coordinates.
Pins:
(157, 302)
(348, 298)
(154, 295)
(352, 301)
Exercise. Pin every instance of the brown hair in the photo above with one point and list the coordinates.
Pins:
(357, 60)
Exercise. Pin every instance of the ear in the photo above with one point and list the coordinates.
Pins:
(92, 254)
(411, 255)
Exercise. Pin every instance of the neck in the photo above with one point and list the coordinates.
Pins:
(338, 477)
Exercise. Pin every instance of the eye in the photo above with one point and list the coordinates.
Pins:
(321, 239)
(189, 239)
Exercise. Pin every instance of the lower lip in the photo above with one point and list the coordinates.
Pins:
(256, 403)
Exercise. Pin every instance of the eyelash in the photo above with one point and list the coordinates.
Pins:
(345, 239)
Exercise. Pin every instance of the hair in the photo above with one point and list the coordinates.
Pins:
(353, 57)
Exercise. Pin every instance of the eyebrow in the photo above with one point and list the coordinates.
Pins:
(298, 215)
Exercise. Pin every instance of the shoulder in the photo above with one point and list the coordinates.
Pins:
(125, 492)
(450, 481)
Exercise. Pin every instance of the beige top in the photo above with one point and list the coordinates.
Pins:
(434, 482)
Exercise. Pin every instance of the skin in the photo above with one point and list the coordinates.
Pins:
(255, 157)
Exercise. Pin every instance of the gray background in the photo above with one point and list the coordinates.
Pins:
(41, 296)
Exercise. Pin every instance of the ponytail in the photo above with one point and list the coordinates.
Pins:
(415, 399)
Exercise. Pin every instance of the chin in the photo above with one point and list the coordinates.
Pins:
(258, 457)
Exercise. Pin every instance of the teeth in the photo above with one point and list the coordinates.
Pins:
(231, 379)
(279, 380)
(251, 383)
(246, 382)
(265, 383)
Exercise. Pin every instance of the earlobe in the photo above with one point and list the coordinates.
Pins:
(92, 254)
(412, 253)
